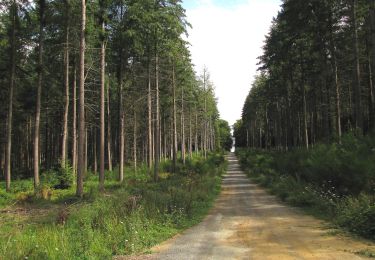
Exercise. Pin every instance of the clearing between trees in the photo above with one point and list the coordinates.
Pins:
(248, 223)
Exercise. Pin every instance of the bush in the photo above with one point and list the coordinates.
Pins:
(336, 181)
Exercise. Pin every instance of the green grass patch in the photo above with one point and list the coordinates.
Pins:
(126, 219)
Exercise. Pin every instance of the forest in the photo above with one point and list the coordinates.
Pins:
(103, 118)
(309, 117)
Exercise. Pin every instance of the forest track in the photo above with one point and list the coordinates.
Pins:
(248, 223)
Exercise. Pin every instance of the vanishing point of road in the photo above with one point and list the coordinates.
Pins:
(248, 223)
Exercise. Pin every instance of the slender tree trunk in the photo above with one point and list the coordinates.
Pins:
(11, 90)
(196, 131)
(135, 140)
(305, 126)
(205, 115)
(66, 83)
(109, 140)
(372, 69)
(102, 112)
(81, 122)
(371, 100)
(174, 120)
(74, 132)
(149, 107)
(121, 131)
(39, 95)
(183, 153)
(157, 134)
(190, 136)
(357, 78)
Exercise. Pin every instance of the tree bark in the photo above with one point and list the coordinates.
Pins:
(74, 124)
(174, 119)
(182, 126)
(109, 140)
(357, 75)
(135, 140)
(11, 91)
(102, 111)
(39, 95)
(149, 110)
(81, 122)
(66, 83)
(157, 132)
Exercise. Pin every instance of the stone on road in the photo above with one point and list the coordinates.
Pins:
(248, 223)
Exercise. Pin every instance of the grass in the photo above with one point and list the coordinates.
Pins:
(126, 219)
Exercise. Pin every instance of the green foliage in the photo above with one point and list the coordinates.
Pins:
(125, 220)
(334, 181)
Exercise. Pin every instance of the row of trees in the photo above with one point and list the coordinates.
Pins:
(316, 78)
(97, 85)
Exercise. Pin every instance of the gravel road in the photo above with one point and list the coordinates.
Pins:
(248, 223)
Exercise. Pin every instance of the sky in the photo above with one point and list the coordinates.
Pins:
(227, 37)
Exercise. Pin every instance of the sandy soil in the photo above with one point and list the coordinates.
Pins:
(248, 223)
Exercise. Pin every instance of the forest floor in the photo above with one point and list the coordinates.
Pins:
(248, 223)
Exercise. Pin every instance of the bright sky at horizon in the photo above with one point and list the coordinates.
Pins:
(227, 37)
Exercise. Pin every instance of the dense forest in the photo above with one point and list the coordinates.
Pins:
(316, 79)
(307, 127)
(99, 86)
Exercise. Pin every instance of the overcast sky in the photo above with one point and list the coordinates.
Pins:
(227, 37)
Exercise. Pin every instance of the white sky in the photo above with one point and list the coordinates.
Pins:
(227, 37)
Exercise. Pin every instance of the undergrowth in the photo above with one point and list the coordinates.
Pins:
(126, 219)
(335, 182)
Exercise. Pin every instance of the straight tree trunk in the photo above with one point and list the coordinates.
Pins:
(121, 131)
(190, 136)
(372, 26)
(174, 120)
(205, 115)
(81, 122)
(183, 155)
(39, 94)
(149, 110)
(66, 83)
(13, 12)
(157, 132)
(102, 112)
(109, 140)
(357, 76)
(74, 132)
(135, 140)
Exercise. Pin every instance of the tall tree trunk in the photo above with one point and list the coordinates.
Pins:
(357, 75)
(109, 140)
(66, 83)
(102, 111)
(13, 15)
(39, 95)
(205, 115)
(81, 122)
(305, 127)
(157, 132)
(190, 136)
(371, 99)
(174, 119)
(372, 34)
(74, 124)
(135, 140)
(121, 130)
(183, 155)
(149, 110)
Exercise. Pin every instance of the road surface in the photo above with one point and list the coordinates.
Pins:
(248, 223)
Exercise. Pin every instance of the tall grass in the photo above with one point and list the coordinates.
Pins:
(126, 219)
(333, 181)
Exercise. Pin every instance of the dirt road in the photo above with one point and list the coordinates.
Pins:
(247, 223)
